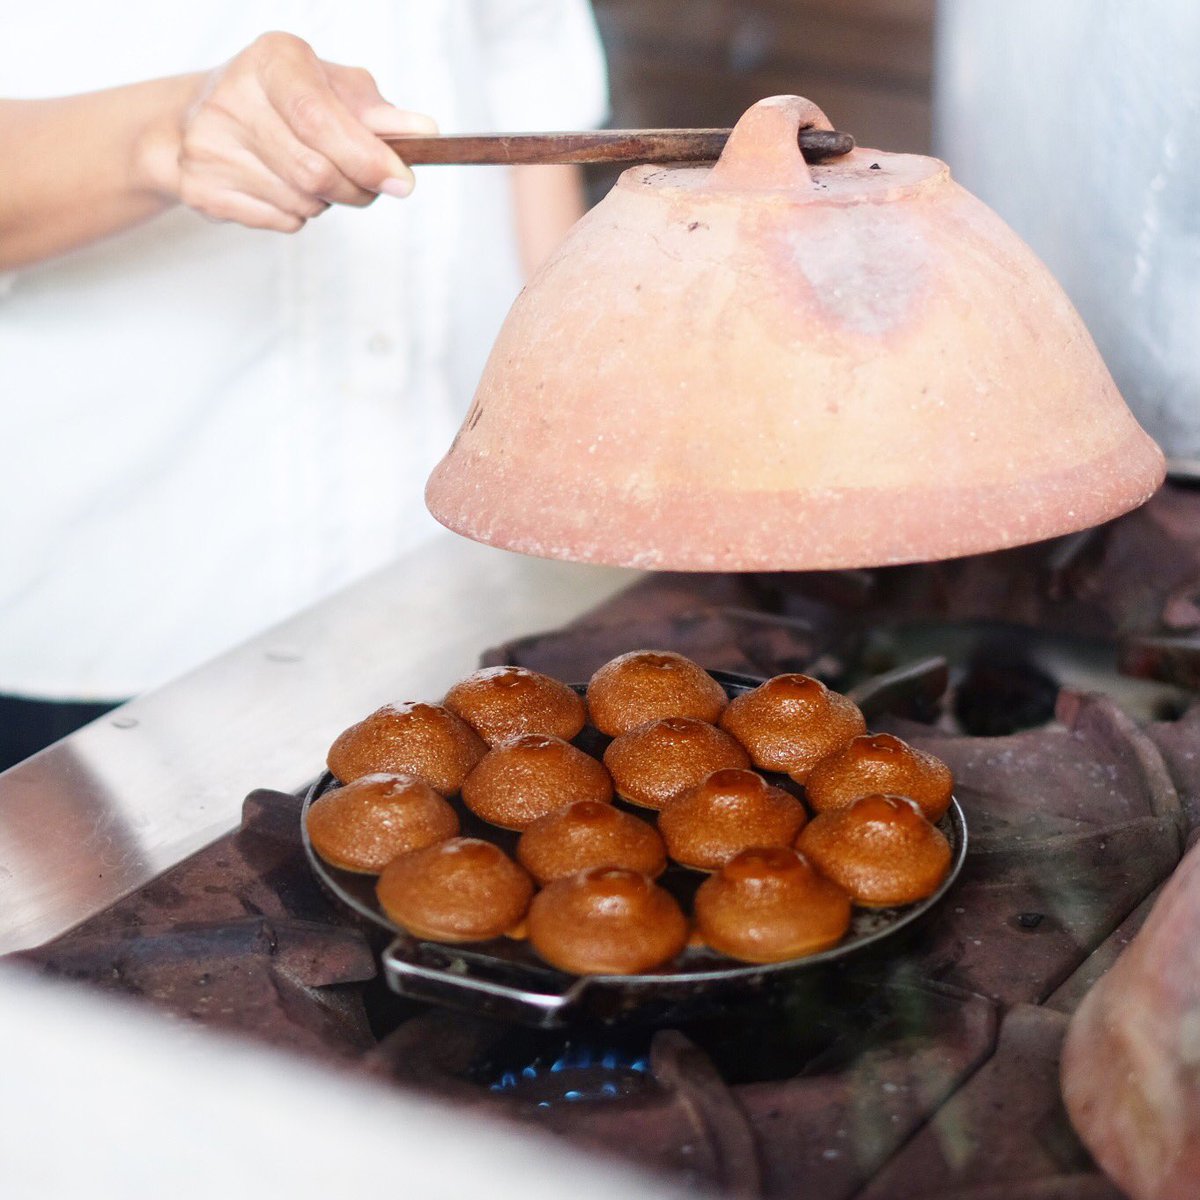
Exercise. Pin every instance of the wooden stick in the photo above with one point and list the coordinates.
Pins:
(599, 146)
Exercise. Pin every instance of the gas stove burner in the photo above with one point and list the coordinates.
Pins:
(1003, 691)
(999, 679)
(525, 1067)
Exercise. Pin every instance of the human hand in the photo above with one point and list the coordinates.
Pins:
(276, 135)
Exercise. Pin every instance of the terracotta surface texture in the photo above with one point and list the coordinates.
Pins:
(1129, 1062)
(769, 365)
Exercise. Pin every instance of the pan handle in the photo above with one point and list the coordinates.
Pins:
(459, 986)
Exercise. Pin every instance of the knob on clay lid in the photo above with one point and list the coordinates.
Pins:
(766, 364)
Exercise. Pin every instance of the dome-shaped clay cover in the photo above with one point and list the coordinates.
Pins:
(765, 364)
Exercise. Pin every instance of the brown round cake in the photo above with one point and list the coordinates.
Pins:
(461, 890)
(532, 775)
(425, 740)
(647, 684)
(607, 921)
(880, 849)
(731, 811)
(791, 722)
(659, 761)
(504, 702)
(880, 763)
(768, 905)
(585, 835)
(365, 824)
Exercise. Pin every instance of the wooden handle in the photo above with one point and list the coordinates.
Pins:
(598, 146)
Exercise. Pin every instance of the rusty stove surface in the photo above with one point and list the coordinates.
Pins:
(930, 1074)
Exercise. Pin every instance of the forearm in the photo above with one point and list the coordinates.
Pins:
(269, 139)
(81, 168)
(547, 201)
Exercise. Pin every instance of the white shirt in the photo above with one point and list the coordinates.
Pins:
(205, 427)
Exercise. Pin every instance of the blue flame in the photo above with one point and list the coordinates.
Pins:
(578, 1057)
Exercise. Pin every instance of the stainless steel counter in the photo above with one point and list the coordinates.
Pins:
(101, 812)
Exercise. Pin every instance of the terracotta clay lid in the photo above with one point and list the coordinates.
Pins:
(766, 364)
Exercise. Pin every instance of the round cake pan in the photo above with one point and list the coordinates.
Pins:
(504, 979)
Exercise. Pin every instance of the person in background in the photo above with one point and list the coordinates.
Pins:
(208, 427)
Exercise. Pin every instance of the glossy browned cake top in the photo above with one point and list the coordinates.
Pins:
(769, 905)
(644, 685)
(585, 835)
(607, 921)
(880, 849)
(730, 811)
(791, 722)
(413, 738)
(461, 890)
(659, 761)
(529, 776)
(881, 763)
(365, 824)
(504, 702)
